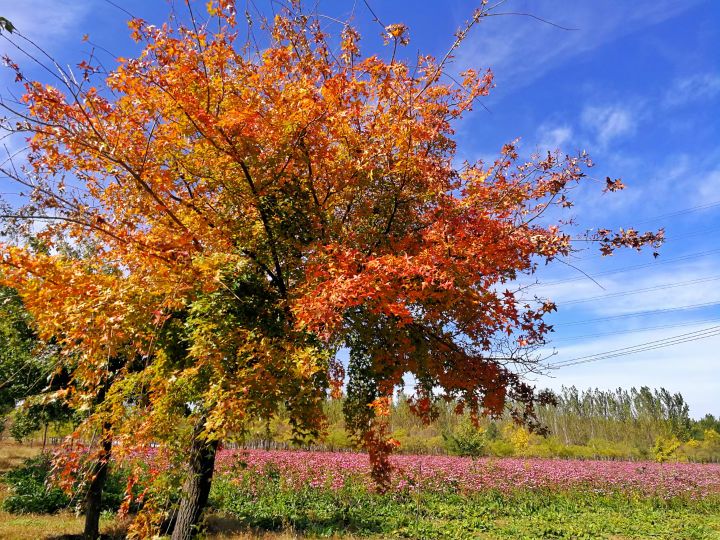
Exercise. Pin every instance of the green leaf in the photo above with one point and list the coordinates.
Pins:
(6, 25)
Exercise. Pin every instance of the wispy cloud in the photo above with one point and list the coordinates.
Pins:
(520, 49)
(691, 89)
(640, 290)
(47, 22)
(709, 187)
(609, 122)
(676, 180)
(50, 24)
(553, 137)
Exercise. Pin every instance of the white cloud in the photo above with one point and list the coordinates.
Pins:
(669, 183)
(609, 122)
(521, 49)
(46, 22)
(49, 24)
(708, 187)
(553, 138)
(660, 288)
(698, 87)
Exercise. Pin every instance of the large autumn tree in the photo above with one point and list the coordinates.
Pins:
(246, 212)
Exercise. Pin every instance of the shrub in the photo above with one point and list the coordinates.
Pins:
(465, 440)
(501, 448)
(30, 492)
(665, 448)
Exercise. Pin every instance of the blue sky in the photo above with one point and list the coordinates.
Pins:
(636, 84)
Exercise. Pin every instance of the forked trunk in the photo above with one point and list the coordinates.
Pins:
(93, 499)
(196, 488)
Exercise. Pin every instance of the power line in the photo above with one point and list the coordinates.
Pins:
(640, 313)
(680, 212)
(652, 343)
(638, 350)
(636, 291)
(635, 330)
(636, 267)
(705, 333)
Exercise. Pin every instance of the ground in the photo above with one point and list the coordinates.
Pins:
(429, 516)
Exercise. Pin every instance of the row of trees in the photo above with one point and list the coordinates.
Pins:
(206, 224)
(573, 432)
(618, 416)
(28, 371)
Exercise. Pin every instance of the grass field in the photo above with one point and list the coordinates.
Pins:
(526, 514)
(280, 496)
(13, 454)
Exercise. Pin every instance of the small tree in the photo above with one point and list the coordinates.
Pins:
(466, 440)
(251, 211)
(666, 448)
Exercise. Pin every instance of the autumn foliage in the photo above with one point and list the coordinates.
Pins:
(219, 220)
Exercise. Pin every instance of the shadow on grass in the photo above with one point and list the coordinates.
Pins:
(224, 526)
(116, 531)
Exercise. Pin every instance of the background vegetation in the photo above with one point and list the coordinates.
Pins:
(641, 424)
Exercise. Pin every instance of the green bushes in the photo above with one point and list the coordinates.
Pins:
(31, 490)
(704, 448)
(466, 440)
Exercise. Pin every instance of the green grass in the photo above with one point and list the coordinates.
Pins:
(524, 515)
(13, 454)
(36, 527)
(354, 513)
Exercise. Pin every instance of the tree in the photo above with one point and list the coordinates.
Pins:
(249, 212)
(19, 374)
(706, 423)
(28, 372)
(31, 373)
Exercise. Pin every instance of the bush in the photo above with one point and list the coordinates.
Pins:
(465, 440)
(706, 449)
(30, 492)
(418, 441)
(337, 438)
(501, 448)
(666, 448)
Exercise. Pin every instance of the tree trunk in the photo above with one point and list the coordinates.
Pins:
(45, 437)
(197, 485)
(93, 499)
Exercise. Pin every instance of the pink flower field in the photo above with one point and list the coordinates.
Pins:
(332, 469)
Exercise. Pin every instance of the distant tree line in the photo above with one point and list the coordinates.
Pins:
(582, 415)
(622, 424)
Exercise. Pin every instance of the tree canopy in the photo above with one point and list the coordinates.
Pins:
(244, 213)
